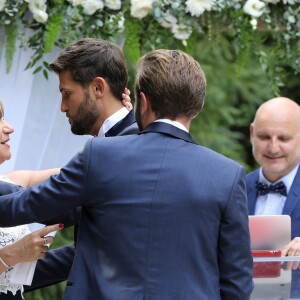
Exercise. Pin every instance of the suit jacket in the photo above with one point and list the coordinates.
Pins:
(175, 227)
(292, 204)
(56, 265)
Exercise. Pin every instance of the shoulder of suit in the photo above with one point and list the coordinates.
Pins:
(132, 129)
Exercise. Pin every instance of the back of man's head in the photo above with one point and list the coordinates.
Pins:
(89, 58)
(173, 81)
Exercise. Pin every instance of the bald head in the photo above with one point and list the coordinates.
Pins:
(275, 137)
(280, 109)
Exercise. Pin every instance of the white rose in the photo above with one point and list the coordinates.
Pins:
(197, 7)
(167, 21)
(40, 16)
(2, 4)
(91, 6)
(254, 8)
(181, 32)
(113, 4)
(141, 8)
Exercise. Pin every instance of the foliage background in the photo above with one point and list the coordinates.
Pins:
(244, 66)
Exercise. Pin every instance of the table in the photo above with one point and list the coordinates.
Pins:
(272, 280)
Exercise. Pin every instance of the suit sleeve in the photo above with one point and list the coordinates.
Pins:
(7, 188)
(56, 196)
(53, 268)
(235, 259)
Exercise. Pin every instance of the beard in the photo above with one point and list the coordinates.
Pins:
(85, 117)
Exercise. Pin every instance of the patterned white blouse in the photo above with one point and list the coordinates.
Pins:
(9, 236)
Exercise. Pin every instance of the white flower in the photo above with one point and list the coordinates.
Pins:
(76, 2)
(2, 4)
(197, 7)
(91, 6)
(121, 23)
(168, 20)
(37, 5)
(254, 8)
(38, 9)
(113, 4)
(181, 32)
(140, 8)
(253, 23)
(40, 16)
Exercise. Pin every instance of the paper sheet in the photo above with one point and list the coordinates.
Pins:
(23, 272)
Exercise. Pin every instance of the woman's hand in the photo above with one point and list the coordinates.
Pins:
(31, 247)
(126, 99)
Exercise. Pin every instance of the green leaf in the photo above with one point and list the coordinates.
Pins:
(45, 73)
(10, 44)
(53, 29)
(38, 69)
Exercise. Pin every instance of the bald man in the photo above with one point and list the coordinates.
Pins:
(275, 139)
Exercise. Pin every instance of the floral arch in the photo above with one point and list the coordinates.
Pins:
(147, 24)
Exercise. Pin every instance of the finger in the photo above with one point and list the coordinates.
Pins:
(294, 265)
(46, 230)
(288, 266)
(48, 240)
(127, 91)
(126, 98)
(284, 252)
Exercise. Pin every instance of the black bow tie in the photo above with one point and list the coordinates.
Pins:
(264, 189)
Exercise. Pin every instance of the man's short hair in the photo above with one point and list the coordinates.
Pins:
(89, 58)
(173, 81)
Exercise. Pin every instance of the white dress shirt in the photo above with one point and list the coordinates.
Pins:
(113, 120)
(273, 203)
(174, 123)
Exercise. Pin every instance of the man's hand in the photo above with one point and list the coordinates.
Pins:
(126, 99)
(292, 249)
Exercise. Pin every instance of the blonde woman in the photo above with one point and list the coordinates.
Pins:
(17, 244)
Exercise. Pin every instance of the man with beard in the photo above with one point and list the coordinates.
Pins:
(92, 80)
(176, 227)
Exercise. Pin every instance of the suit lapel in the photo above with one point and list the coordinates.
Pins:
(293, 196)
(164, 128)
(251, 191)
(121, 125)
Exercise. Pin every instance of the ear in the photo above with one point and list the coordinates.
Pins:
(145, 103)
(251, 128)
(99, 86)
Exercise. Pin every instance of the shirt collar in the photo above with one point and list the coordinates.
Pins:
(112, 121)
(174, 123)
(287, 179)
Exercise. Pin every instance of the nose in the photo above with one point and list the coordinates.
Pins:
(63, 106)
(7, 128)
(273, 146)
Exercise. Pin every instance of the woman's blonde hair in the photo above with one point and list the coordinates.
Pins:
(1, 109)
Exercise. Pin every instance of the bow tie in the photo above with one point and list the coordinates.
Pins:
(264, 189)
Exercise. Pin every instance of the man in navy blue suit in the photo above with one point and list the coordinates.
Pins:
(79, 64)
(274, 188)
(275, 139)
(177, 226)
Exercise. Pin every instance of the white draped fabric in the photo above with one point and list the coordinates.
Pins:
(42, 137)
